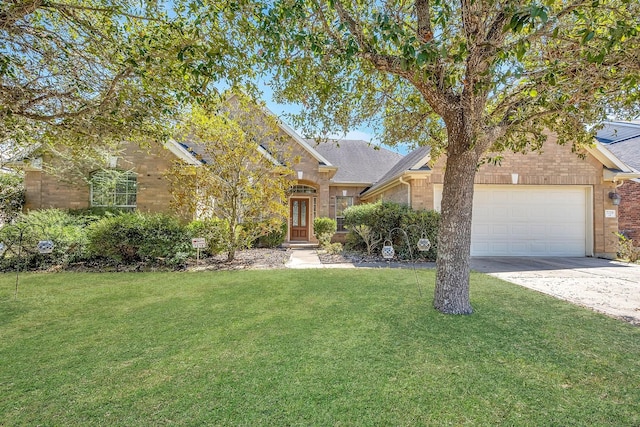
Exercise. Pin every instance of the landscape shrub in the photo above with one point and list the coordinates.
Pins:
(380, 218)
(626, 249)
(67, 232)
(418, 224)
(134, 237)
(324, 229)
(333, 248)
(273, 239)
(213, 230)
(370, 225)
(11, 197)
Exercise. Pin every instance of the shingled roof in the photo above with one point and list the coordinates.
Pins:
(358, 161)
(623, 140)
(416, 160)
(628, 151)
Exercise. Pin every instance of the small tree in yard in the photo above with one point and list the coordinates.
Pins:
(466, 77)
(244, 175)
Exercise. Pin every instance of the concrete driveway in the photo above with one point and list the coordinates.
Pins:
(609, 287)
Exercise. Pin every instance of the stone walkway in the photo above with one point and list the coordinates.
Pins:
(308, 258)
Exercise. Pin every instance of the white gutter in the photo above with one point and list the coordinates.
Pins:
(402, 181)
(609, 175)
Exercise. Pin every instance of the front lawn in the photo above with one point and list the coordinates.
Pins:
(305, 347)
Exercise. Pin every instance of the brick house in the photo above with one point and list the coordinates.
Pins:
(550, 204)
(623, 140)
(329, 179)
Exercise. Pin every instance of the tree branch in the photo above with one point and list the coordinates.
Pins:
(424, 32)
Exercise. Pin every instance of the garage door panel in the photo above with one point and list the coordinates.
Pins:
(529, 221)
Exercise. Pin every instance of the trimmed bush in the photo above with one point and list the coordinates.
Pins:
(380, 217)
(273, 239)
(324, 229)
(214, 230)
(418, 224)
(134, 237)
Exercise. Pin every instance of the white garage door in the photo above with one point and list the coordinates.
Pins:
(511, 220)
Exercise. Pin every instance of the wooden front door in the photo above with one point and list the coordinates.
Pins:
(299, 214)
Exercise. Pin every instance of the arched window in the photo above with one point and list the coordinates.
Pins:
(302, 189)
(114, 188)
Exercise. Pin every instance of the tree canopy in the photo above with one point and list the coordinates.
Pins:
(466, 77)
(84, 73)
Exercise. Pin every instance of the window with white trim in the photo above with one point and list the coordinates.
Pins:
(114, 188)
(342, 203)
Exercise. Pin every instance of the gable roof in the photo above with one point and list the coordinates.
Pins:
(322, 162)
(358, 161)
(627, 150)
(414, 161)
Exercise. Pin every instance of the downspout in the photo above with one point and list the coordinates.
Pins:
(408, 190)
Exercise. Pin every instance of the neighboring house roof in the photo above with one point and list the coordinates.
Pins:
(358, 161)
(415, 161)
(618, 130)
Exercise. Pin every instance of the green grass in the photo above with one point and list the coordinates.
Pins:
(315, 347)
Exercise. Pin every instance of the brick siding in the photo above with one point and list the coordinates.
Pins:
(629, 210)
(44, 190)
(555, 165)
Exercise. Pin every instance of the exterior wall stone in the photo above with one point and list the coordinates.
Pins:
(422, 193)
(45, 190)
(154, 193)
(396, 193)
(629, 210)
(555, 165)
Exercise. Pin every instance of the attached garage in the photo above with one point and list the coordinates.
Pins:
(530, 220)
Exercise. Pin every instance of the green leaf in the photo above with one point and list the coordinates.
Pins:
(588, 36)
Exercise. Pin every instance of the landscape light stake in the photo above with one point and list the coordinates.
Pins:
(44, 247)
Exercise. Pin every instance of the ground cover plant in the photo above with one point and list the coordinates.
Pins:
(316, 347)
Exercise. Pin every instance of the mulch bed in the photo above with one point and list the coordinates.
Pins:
(250, 259)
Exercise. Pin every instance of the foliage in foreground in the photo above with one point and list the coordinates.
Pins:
(67, 232)
(328, 347)
(626, 249)
(133, 237)
(11, 196)
(243, 174)
(107, 238)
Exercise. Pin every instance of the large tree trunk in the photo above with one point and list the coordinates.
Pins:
(454, 235)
